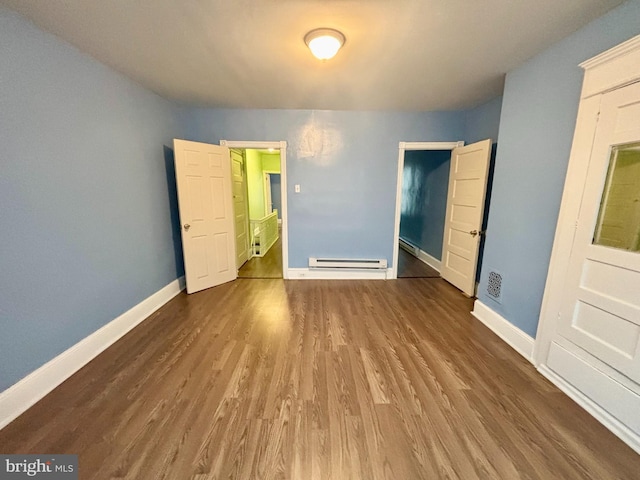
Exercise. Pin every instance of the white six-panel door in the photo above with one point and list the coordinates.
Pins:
(601, 309)
(240, 207)
(203, 178)
(465, 211)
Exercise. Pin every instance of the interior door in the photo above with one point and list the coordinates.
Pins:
(240, 207)
(465, 210)
(601, 307)
(203, 178)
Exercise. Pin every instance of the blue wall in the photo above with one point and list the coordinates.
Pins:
(89, 226)
(424, 199)
(276, 196)
(346, 165)
(483, 121)
(88, 220)
(539, 110)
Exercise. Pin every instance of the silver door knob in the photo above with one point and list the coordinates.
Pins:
(187, 226)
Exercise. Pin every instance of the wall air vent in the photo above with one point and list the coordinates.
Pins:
(494, 286)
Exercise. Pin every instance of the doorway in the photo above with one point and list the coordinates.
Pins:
(425, 181)
(409, 253)
(465, 213)
(266, 209)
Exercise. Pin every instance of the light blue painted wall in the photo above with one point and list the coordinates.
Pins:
(276, 196)
(88, 225)
(539, 110)
(483, 121)
(424, 199)
(346, 166)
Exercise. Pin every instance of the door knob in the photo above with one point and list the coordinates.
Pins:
(187, 227)
(473, 233)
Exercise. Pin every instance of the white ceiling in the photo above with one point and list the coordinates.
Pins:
(399, 54)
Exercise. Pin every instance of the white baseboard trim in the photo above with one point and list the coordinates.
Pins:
(16, 399)
(516, 338)
(337, 274)
(605, 418)
(432, 261)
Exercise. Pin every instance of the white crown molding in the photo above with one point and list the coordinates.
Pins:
(615, 68)
(612, 53)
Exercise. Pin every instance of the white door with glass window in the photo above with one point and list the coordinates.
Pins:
(465, 211)
(601, 309)
(203, 178)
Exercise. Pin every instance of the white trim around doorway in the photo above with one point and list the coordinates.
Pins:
(282, 147)
(403, 147)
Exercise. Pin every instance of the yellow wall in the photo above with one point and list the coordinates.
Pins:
(257, 164)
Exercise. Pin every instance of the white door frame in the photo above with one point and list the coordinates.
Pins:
(282, 147)
(403, 147)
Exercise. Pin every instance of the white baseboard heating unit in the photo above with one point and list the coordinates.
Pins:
(378, 264)
(412, 249)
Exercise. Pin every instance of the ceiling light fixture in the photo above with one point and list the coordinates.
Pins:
(324, 43)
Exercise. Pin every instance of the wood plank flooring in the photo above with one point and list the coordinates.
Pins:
(269, 266)
(273, 379)
(411, 267)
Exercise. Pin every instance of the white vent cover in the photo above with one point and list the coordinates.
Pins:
(347, 263)
(494, 286)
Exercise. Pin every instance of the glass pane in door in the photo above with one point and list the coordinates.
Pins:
(619, 218)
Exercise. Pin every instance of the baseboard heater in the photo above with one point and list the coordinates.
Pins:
(378, 264)
(406, 246)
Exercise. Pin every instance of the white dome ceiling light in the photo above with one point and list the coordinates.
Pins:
(324, 43)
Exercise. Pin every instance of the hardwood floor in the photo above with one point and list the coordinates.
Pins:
(273, 379)
(411, 267)
(269, 266)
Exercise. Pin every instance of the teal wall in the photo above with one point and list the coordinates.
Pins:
(539, 109)
(425, 185)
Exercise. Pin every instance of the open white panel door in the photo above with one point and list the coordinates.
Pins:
(240, 207)
(465, 211)
(203, 178)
